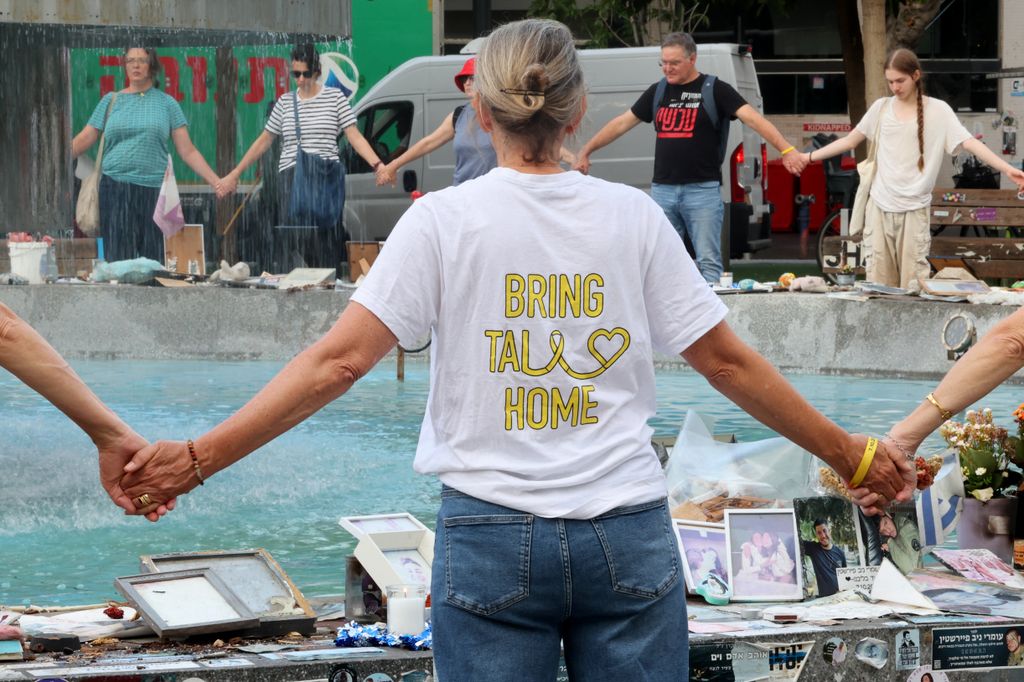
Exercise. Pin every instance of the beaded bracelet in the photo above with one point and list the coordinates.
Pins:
(865, 462)
(195, 462)
(943, 412)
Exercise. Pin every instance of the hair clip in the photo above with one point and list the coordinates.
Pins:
(524, 93)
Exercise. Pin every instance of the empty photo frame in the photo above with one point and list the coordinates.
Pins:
(397, 557)
(763, 558)
(257, 579)
(361, 526)
(703, 549)
(184, 603)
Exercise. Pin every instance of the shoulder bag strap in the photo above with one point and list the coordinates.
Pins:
(298, 130)
(103, 135)
(707, 100)
(878, 129)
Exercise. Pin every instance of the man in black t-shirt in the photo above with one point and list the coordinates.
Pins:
(687, 169)
(825, 557)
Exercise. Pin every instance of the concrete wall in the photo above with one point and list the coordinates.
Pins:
(797, 332)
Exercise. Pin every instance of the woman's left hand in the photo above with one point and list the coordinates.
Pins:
(157, 474)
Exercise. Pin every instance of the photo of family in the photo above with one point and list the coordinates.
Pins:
(703, 549)
(894, 536)
(829, 540)
(762, 555)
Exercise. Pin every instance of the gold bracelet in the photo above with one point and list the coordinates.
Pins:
(787, 150)
(865, 462)
(195, 462)
(943, 412)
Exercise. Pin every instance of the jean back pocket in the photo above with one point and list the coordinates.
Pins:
(487, 561)
(638, 543)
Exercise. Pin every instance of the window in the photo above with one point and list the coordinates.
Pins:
(387, 127)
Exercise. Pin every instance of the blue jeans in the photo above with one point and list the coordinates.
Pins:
(508, 587)
(695, 209)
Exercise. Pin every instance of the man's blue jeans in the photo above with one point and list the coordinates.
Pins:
(508, 587)
(696, 209)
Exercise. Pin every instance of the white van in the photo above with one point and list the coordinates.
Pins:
(412, 100)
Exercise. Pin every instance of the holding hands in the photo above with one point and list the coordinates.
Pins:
(227, 185)
(795, 162)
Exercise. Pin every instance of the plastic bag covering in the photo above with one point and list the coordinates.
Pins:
(123, 270)
(701, 467)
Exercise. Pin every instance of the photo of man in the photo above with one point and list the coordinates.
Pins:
(894, 536)
(828, 542)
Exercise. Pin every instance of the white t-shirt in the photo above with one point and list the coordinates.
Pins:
(322, 117)
(899, 185)
(545, 295)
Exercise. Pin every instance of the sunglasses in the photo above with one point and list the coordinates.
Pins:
(305, 74)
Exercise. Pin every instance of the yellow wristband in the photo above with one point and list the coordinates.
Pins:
(865, 462)
(946, 414)
(787, 150)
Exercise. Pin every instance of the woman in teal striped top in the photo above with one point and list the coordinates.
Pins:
(135, 157)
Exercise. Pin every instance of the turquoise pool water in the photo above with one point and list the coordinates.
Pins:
(62, 542)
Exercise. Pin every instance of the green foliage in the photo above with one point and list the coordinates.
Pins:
(625, 23)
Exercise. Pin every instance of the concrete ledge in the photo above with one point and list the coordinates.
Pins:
(802, 333)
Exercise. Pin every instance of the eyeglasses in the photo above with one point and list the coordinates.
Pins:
(673, 63)
(136, 60)
(305, 74)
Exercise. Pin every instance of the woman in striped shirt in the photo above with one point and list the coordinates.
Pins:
(324, 114)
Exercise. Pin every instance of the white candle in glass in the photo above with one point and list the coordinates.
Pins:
(406, 609)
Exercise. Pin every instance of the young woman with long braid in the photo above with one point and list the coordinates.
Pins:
(914, 133)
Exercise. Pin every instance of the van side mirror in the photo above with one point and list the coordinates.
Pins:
(409, 180)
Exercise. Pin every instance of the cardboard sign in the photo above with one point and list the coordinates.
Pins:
(185, 251)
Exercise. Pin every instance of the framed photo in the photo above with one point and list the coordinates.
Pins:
(829, 539)
(361, 526)
(703, 549)
(257, 579)
(396, 557)
(762, 557)
(183, 603)
(895, 536)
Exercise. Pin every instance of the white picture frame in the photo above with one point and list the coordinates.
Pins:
(763, 561)
(397, 557)
(184, 603)
(702, 547)
(361, 526)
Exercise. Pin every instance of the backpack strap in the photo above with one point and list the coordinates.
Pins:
(456, 114)
(707, 100)
(659, 95)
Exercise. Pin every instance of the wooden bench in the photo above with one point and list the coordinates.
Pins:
(976, 229)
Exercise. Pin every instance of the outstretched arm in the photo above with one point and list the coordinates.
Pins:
(190, 155)
(992, 361)
(29, 357)
(444, 134)
(317, 376)
(845, 143)
(791, 158)
(613, 130)
(363, 148)
(257, 149)
(743, 376)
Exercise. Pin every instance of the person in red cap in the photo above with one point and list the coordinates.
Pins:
(474, 154)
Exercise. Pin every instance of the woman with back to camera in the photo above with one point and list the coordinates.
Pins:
(136, 126)
(554, 526)
(914, 134)
(323, 115)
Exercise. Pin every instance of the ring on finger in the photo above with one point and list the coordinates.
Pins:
(143, 500)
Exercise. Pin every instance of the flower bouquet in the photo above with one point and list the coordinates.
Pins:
(990, 458)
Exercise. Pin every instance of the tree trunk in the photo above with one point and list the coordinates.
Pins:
(853, 57)
(872, 29)
(906, 28)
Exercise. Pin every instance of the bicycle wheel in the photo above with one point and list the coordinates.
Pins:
(829, 228)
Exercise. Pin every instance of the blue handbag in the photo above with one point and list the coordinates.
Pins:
(318, 187)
